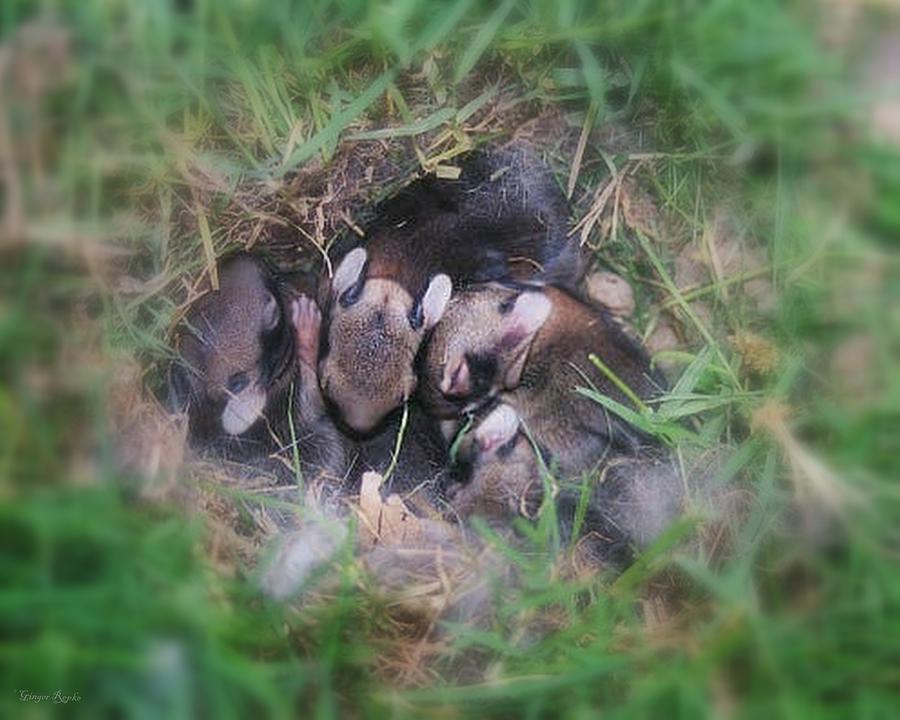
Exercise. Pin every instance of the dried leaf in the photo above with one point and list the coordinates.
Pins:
(386, 521)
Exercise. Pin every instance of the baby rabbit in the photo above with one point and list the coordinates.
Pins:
(505, 216)
(530, 345)
(500, 475)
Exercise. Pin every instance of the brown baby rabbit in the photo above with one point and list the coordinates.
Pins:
(501, 475)
(248, 358)
(530, 345)
(505, 216)
(247, 355)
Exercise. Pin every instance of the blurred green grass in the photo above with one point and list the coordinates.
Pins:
(114, 598)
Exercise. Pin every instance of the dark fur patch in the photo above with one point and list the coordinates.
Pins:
(482, 373)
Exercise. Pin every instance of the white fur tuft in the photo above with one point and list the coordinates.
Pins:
(300, 554)
(243, 410)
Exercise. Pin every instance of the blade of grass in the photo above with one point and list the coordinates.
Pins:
(433, 121)
(295, 445)
(338, 122)
(482, 40)
(619, 383)
(686, 308)
(398, 443)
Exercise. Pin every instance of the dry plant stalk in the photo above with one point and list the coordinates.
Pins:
(813, 480)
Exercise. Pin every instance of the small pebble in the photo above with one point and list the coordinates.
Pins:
(612, 291)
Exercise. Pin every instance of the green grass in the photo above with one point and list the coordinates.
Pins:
(118, 599)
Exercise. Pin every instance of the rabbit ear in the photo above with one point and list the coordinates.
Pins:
(271, 314)
(497, 429)
(435, 300)
(521, 325)
(349, 270)
(529, 313)
(181, 387)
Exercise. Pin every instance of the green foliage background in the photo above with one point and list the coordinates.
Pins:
(114, 599)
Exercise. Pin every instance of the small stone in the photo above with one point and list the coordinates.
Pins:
(663, 338)
(611, 291)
